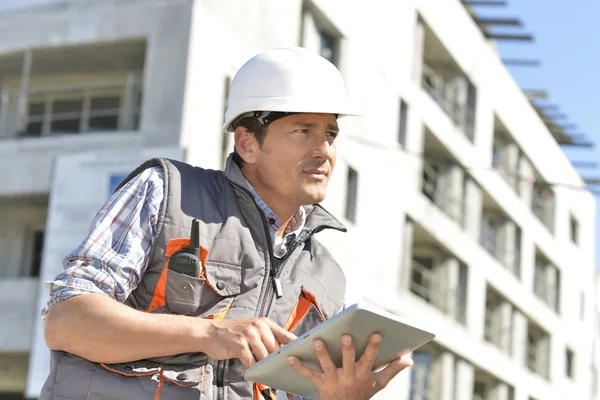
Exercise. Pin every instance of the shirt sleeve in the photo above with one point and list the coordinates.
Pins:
(114, 255)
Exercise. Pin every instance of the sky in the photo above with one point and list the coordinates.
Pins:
(567, 43)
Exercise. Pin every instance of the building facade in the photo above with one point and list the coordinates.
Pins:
(482, 234)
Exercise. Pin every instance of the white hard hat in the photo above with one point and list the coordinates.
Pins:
(293, 80)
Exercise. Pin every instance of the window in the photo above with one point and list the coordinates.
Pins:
(490, 233)
(479, 390)
(74, 113)
(543, 205)
(496, 154)
(34, 247)
(570, 363)
(461, 296)
(574, 229)
(546, 282)
(402, 122)
(38, 249)
(419, 376)
(499, 315)
(538, 350)
(319, 34)
(329, 47)
(351, 194)
(421, 277)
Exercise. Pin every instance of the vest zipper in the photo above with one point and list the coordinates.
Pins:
(221, 363)
(274, 274)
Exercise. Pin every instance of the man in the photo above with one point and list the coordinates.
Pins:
(122, 323)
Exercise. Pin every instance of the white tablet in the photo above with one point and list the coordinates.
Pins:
(359, 321)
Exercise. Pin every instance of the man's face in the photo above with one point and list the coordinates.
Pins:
(296, 159)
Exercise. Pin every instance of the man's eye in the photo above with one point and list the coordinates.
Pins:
(302, 130)
(332, 134)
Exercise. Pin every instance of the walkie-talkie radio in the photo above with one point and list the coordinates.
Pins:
(187, 260)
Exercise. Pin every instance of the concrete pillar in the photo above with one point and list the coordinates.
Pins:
(506, 250)
(519, 338)
(505, 316)
(527, 176)
(451, 295)
(407, 255)
(24, 91)
(450, 196)
(464, 371)
(499, 392)
(419, 46)
(473, 209)
(508, 159)
(4, 104)
(442, 377)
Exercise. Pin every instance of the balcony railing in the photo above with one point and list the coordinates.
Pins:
(437, 189)
(444, 92)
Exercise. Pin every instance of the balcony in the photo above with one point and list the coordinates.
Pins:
(446, 90)
(446, 83)
(500, 236)
(436, 276)
(443, 180)
(71, 90)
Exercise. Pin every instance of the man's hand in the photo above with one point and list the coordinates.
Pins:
(356, 379)
(250, 340)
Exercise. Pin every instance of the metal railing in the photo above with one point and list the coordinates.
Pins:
(436, 188)
(443, 91)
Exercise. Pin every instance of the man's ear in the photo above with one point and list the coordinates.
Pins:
(246, 144)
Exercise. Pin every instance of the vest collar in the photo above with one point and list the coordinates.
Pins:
(317, 217)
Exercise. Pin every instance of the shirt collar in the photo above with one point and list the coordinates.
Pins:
(293, 228)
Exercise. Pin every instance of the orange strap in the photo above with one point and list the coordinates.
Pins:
(160, 383)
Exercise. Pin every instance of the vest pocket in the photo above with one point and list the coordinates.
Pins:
(208, 296)
(306, 314)
(183, 293)
(136, 380)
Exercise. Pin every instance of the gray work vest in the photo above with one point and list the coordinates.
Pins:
(236, 283)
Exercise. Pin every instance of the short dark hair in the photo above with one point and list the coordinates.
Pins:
(258, 130)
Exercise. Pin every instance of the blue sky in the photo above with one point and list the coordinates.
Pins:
(567, 42)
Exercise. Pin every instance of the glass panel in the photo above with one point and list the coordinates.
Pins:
(38, 247)
(67, 106)
(108, 123)
(33, 129)
(37, 109)
(65, 126)
(105, 103)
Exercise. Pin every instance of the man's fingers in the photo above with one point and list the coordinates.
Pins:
(388, 373)
(368, 358)
(258, 349)
(303, 370)
(282, 336)
(327, 365)
(246, 358)
(348, 357)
